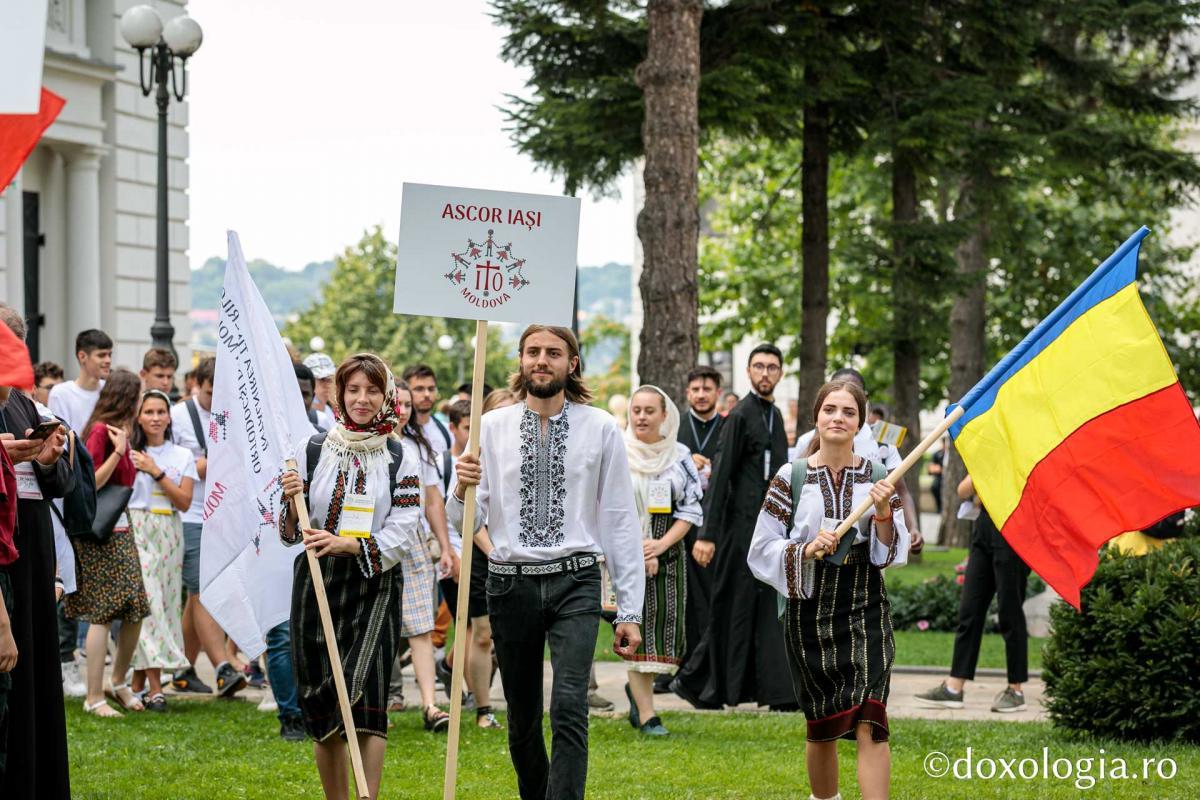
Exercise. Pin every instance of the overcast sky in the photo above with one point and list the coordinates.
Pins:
(307, 116)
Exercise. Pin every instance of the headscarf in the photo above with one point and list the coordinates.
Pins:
(648, 460)
(352, 444)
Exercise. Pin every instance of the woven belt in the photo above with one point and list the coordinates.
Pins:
(568, 564)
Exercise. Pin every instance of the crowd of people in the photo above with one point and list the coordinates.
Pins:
(698, 533)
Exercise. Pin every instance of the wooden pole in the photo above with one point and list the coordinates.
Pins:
(899, 471)
(461, 615)
(335, 660)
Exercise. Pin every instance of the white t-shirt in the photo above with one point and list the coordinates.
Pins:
(72, 404)
(437, 440)
(183, 433)
(430, 475)
(172, 459)
(325, 417)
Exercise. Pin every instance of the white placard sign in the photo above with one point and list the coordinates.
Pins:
(480, 254)
(22, 47)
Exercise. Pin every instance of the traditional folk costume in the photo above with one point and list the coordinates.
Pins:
(838, 624)
(661, 470)
(157, 529)
(554, 499)
(741, 657)
(359, 468)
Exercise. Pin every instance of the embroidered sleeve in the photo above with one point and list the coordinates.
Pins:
(688, 493)
(798, 570)
(401, 530)
(773, 558)
(370, 559)
(296, 535)
(896, 553)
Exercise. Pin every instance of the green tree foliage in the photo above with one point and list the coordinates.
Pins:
(354, 314)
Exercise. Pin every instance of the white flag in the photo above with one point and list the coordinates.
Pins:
(258, 418)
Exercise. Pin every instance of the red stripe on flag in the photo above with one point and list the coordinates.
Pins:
(1122, 471)
(15, 369)
(20, 133)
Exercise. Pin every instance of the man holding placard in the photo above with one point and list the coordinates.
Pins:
(554, 490)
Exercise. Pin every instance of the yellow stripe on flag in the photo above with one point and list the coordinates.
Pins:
(1108, 357)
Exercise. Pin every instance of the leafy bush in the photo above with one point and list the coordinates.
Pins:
(1128, 666)
(932, 605)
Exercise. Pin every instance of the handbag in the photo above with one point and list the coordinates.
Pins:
(111, 501)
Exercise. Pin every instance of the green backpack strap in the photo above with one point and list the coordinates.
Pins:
(878, 472)
(799, 478)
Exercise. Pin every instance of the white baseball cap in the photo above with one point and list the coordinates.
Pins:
(322, 366)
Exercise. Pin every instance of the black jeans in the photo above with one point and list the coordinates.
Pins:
(993, 569)
(526, 612)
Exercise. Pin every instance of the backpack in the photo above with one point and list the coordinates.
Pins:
(447, 466)
(312, 454)
(79, 504)
(799, 478)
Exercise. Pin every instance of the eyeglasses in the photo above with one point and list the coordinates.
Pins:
(770, 369)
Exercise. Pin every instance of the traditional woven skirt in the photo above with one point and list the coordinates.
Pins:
(366, 624)
(159, 539)
(663, 639)
(109, 581)
(841, 649)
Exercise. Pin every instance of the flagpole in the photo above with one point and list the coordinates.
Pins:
(895, 475)
(461, 616)
(335, 660)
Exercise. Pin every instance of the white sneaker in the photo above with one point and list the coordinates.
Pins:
(73, 685)
(268, 703)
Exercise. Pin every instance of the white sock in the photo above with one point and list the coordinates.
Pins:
(952, 691)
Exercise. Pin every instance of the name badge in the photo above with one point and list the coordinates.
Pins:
(658, 497)
(27, 482)
(357, 516)
(160, 503)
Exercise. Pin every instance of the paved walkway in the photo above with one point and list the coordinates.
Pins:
(906, 682)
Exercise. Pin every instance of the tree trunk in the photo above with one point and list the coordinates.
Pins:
(814, 298)
(669, 222)
(968, 342)
(906, 305)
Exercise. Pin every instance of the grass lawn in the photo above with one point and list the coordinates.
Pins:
(932, 563)
(215, 750)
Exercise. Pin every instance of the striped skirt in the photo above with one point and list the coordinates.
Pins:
(841, 649)
(366, 624)
(663, 640)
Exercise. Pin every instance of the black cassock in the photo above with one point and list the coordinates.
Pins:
(703, 438)
(741, 656)
(37, 733)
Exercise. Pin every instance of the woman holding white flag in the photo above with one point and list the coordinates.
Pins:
(364, 500)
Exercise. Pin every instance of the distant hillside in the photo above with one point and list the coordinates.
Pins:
(606, 290)
(286, 291)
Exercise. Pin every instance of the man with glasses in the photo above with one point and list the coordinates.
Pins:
(741, 656)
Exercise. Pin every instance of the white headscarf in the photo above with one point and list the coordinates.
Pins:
(648, 460)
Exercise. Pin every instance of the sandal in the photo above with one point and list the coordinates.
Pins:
(487, 720)
(156, 702)
(114, 692)
(101, 708)
(436, 720)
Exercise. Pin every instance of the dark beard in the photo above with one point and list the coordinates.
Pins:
(543, 391)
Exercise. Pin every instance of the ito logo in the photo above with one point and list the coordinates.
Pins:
(486, 273)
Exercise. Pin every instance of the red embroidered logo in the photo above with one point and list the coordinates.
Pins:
(487, 273)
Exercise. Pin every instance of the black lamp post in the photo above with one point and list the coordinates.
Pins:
(180, 38)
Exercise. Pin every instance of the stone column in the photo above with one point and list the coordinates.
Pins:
(83, 239)
(14, 243)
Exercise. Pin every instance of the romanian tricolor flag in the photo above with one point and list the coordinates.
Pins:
(1083, 431)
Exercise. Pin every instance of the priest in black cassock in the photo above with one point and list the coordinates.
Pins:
(37, 767)
(700, 432)
(741, 657)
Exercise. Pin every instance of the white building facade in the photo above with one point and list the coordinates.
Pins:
(78, 225)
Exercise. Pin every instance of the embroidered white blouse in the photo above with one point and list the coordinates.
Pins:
(686, 494)
(396, 521)
(776, 555)
(567, 492)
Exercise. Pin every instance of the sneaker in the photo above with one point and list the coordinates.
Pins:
(291, 729)
(229, 680)
(1008, 701)
(155, 702)
(188, 682)
(653, 727)
(268, 703)
(598, 703)
(72, 682)
(941, 697)
(254, 675)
